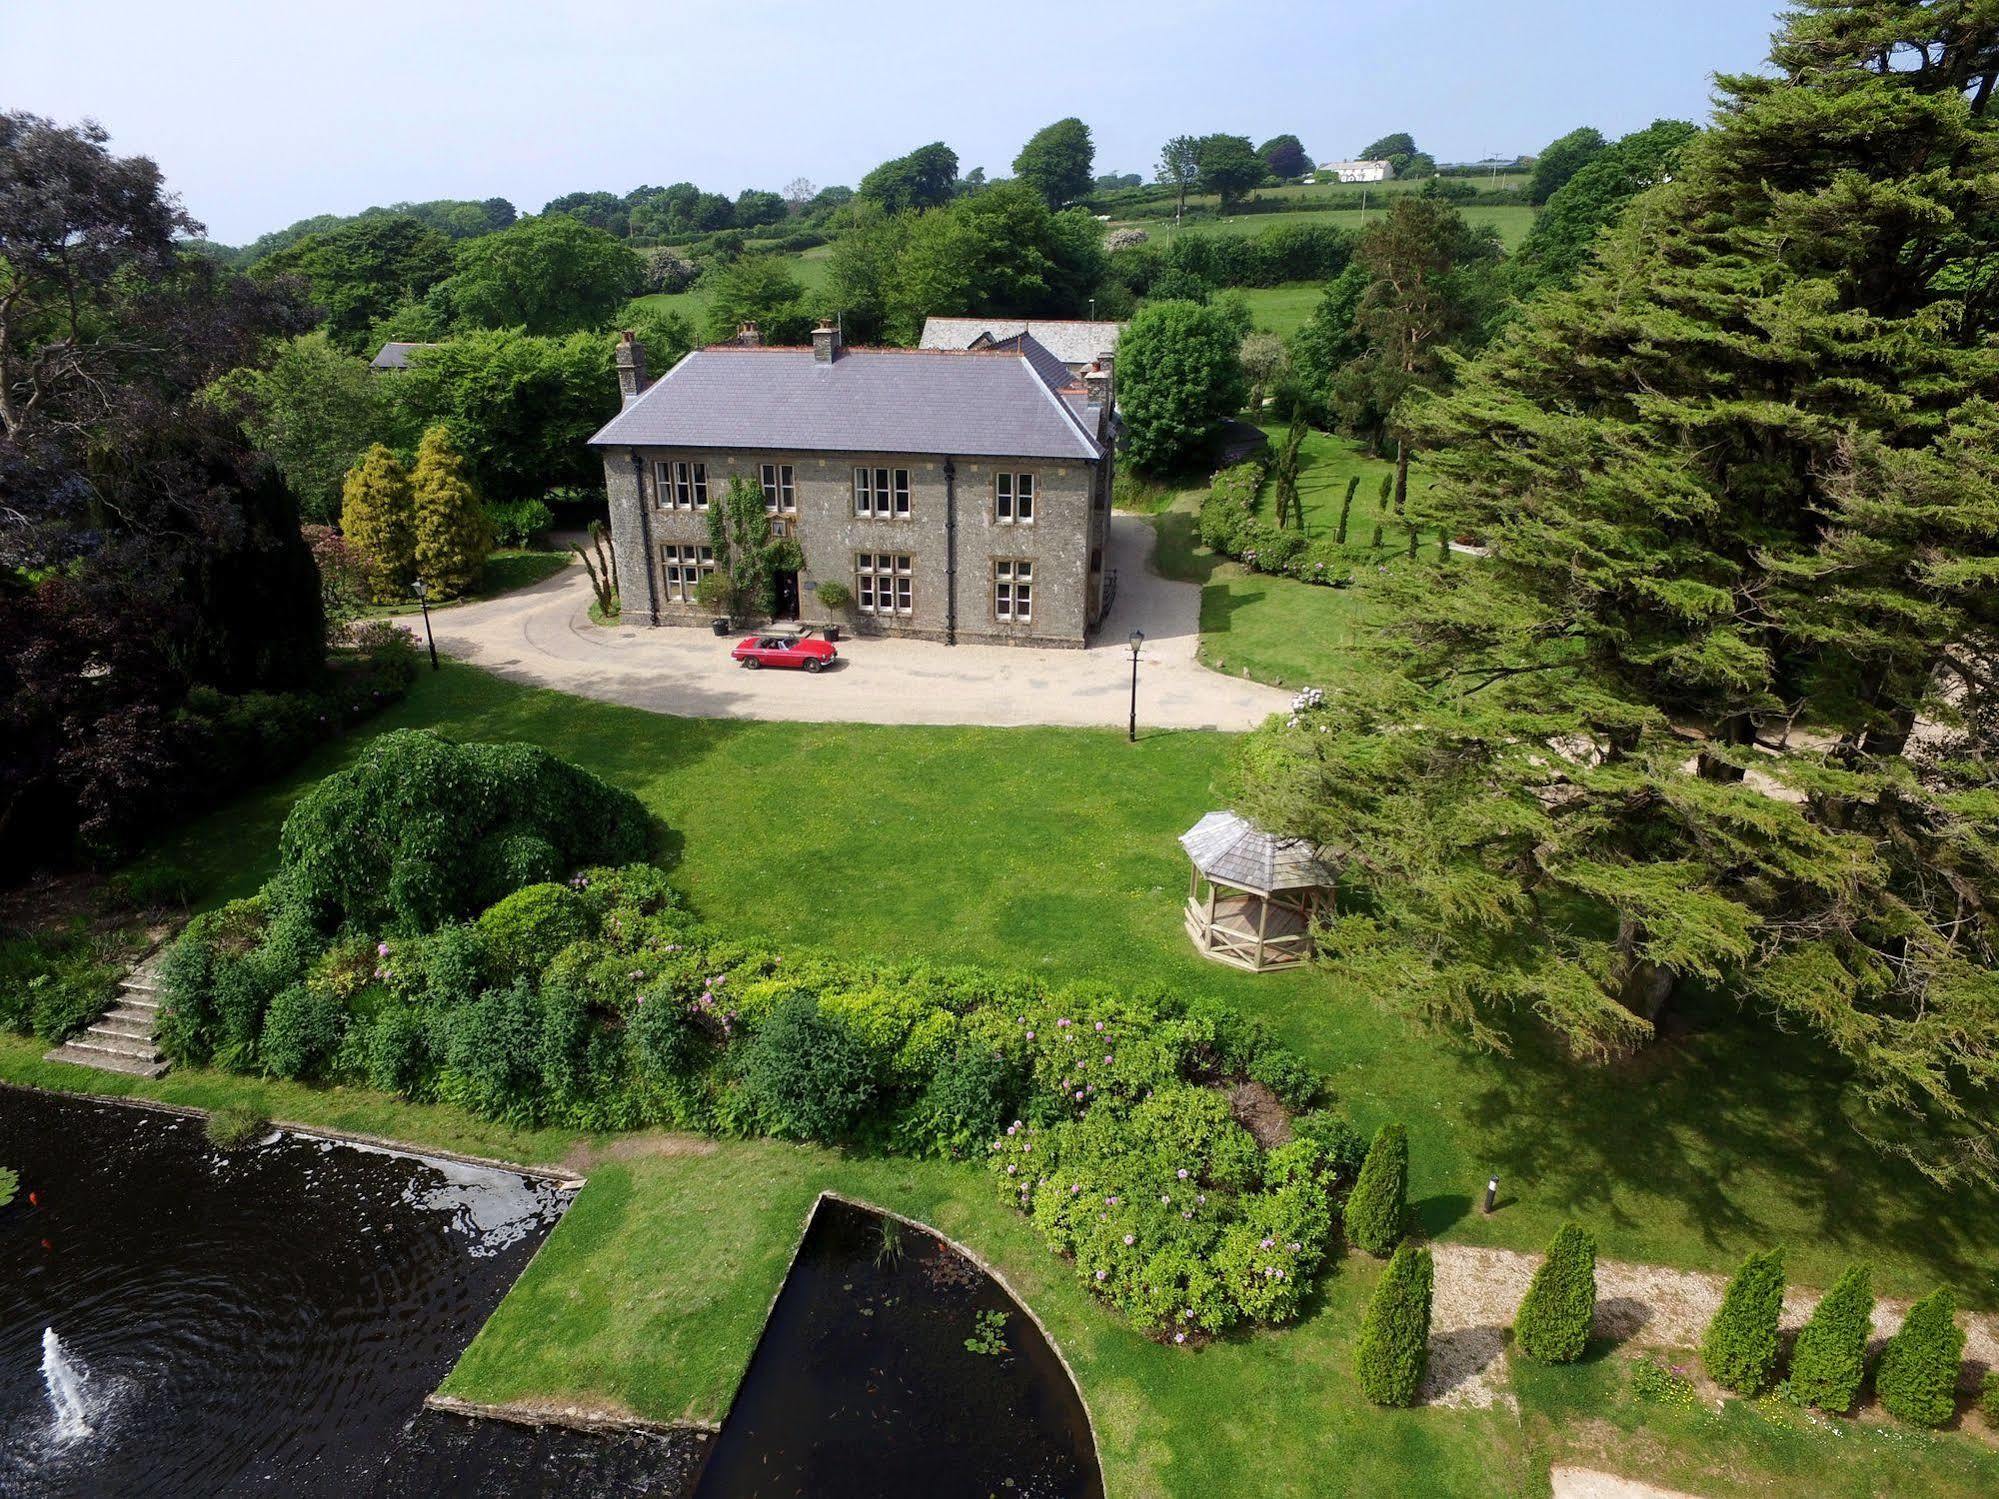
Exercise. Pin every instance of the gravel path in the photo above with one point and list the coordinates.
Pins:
(1648, 1306)
(542, 635)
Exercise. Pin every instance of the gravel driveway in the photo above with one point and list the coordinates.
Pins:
(543, 635)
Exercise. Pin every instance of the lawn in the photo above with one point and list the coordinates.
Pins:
(1276, 629)
(1283, 310)
(809, 267)
(1053, 850)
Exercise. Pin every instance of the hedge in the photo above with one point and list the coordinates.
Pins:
(1394, 1348)
(1917, 1377)
(1740, 1349)
(1378, 1206)
(597, 1001)
(1232, 523)
(1553, 1323)
(1829, 1359)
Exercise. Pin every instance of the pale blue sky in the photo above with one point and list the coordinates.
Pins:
(262, 113)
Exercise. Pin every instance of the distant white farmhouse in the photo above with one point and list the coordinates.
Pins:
(1359, 171)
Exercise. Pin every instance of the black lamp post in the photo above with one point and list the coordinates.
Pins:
(423, 603)
(1137, 640)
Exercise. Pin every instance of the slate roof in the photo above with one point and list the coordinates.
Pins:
(1074, 341)
(1231, 850)
(395, 356)
(989, 404)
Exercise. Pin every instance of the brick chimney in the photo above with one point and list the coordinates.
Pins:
(1097, 381)
(748, 337)
(631, 359)
(825, 343)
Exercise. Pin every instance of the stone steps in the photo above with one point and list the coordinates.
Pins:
(121, 1039)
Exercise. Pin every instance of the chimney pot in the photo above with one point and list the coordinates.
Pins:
(749, 337)
(631, 361)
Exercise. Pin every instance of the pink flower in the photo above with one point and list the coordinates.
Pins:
(1164, 1198)
(381, 949)
(1074, 1190)
(1030, 1035)
(1179, 1337)
(1131, 1238)
(1107, 1059)
(1079, 1095)
(1267, 1243)
(1103, 1274)
(1011, 1169)
(1061, 1022)
(1100, 1025)
(1181, 1173)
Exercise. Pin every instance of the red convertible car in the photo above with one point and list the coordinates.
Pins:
(784, 650)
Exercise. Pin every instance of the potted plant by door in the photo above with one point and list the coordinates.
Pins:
(833, 596)
(717, 594)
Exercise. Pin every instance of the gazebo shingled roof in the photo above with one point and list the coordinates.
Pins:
(1231, 850)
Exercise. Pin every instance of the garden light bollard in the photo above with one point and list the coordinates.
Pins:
(423, 603)
(1491, 1193)
(1137, 640)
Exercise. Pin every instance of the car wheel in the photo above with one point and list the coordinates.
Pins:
(814, 664)
(750, 663)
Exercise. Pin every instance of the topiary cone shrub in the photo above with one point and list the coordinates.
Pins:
(377, 517)
(1917, 1376)
(1394, 1347)
(453, 536)
(1740, 1349)
(1378, 1205)
(1830, 1357)
(1553, 1323)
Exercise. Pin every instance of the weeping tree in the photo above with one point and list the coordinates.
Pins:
(1741, 486)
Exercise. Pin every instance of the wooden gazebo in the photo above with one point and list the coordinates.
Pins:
(1253, 894)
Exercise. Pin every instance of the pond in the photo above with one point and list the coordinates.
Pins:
(179, 1320)
(894, 1365)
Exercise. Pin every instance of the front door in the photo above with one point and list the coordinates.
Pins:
(787, 596)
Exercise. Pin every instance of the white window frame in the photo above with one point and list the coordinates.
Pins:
(682, 564)
(683, 484)
(880, 576)
(881, 493)
(780, 489)
(1013, 499)
(1013, 590)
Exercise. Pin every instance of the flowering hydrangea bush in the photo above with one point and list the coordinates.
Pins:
(1171, 1211)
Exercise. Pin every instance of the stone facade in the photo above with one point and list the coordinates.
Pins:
(953, 517)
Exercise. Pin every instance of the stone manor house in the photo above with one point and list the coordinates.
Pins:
(961, 494)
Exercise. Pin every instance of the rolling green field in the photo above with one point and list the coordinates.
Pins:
(1283, 310)
(1511, 220)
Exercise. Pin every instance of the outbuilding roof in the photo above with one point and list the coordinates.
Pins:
(1074, 341)
(1231, 850)
(395, 356)
(1001, 404)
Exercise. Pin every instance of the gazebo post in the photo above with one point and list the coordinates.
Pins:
(1262, 924)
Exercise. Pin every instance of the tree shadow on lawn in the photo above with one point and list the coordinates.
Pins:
(1741, 1128)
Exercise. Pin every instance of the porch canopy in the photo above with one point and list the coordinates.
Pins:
(1253, 894)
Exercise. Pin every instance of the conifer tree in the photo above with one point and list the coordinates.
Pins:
(1346, 509)
(1830, 1357)
(1740, 1348)
(1917, 1377)
(1744, 476)
(377, 518)
(453, 537)
(1378, 1205)
(1553, 1323)
(1393, 1351)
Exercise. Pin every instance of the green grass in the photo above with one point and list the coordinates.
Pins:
(1053, 850)
(1283, 309)
(1276, 629)
(809, 267)
(1512, 221)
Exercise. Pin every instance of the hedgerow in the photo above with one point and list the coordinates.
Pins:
(595, 1000)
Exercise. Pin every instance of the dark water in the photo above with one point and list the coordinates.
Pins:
(862, 1385)
(264, 1322)
(447, 1454)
